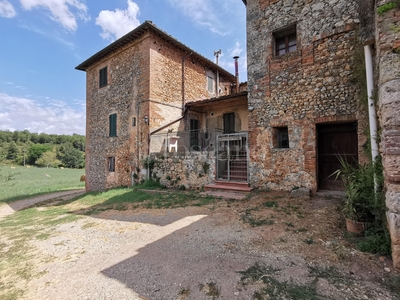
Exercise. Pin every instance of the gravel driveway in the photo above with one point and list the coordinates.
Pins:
(198, 252)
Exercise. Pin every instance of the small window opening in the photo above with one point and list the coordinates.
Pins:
(281, 137)
(133, 122)
(285, 41)
(111, 164)
(210, 83)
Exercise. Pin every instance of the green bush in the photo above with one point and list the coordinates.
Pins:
(386, 7)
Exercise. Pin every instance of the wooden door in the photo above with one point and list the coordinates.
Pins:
(335, 140)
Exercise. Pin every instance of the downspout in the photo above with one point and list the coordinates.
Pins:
(236, 73)
(373, 128)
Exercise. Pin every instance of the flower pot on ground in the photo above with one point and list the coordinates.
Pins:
(356, 227)
(360, 203)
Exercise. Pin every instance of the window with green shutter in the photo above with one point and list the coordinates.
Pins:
(113, 124)
(103, 77)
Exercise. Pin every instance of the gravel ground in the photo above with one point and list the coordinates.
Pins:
(198, 252)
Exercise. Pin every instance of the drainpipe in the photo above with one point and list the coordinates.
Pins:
(236, 73)
(217, 54)
(373, 128)
(183, 80)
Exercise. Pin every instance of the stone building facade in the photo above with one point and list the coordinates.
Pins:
(135, 86)
(301, 61)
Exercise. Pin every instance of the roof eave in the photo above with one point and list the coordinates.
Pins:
(136, 33)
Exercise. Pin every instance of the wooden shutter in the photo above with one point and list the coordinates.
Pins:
(113, 125)
(103, 77)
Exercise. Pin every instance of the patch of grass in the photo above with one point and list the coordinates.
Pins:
(376, 244)
(247, 217)
(273, 288)
(16, 251)
(331, 274)
(271, 203)
(309, 241)
(392, 282)
(151, 184)
(29, 182)
(256, 272)
(289, 224)
(43, 236)
(183, 294)
(300, 230)
(123, 198)
(287, 290)
(210, 289)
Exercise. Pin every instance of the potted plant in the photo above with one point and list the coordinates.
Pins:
(359, 204)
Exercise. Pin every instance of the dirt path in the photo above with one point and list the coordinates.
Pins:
(199, 252)
(7, 209)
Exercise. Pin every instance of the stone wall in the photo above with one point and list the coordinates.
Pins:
(191, 170)
(301, 89)
(124, 95)
(388, 61)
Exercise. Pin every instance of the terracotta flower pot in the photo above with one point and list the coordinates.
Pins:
(355, 227)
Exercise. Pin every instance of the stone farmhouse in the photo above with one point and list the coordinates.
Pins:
(152, 99)
(136, 87)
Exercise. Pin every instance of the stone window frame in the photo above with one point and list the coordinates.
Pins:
(280, 137)
(111, 164)
(285, 34)
(103, 77)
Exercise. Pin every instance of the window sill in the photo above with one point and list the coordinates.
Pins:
(280, 149)
(287, 56)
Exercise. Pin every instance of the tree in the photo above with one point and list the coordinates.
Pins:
(48, 159)
(12, 151)
(73, 158)
(35, 151)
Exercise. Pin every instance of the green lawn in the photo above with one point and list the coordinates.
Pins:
(27, 182)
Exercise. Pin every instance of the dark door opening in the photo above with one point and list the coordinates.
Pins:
(194, 135)
(334, 141)
(229, 123)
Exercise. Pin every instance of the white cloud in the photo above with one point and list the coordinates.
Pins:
(119, 22)
(217, 16)
(56, 117)
(64, 12)
(7, 10)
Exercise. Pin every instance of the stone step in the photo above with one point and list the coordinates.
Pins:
(228, 185)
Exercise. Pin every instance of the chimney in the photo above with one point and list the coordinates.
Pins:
(236, 73)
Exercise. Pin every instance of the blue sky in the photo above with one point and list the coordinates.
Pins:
(42, 41)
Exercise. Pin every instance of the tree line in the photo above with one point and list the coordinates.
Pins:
(41, 149)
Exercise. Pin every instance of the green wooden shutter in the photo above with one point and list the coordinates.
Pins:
(103, 77)
(113, 124)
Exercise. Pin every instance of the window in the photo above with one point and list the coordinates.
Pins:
(281, 137)
(229, 123)
(285, 41)
(133, 122)
(103, 77)
(210, 83)
(113, 124)
(111, 164)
